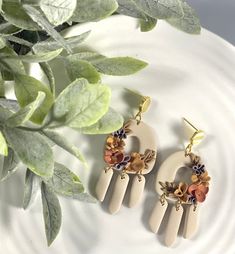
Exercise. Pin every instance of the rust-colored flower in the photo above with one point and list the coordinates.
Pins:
(113, 158)
(136, 163)
(202, 179)
(181, 192)
(199, 191)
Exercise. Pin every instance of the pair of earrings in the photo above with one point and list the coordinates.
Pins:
(139, 163)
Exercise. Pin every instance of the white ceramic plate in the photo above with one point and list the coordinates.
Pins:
(191, 76)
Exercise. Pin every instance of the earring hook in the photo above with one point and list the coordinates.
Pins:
(143, 107)
(195, 139)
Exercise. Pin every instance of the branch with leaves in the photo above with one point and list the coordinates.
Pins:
(31, 32)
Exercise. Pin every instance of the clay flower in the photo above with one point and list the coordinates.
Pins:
(181, 192)
(136, 163)
(198, 191)
(120, 133)
(113, 157)
(123, 163)
(198, 169)
(114, 143)
(201, 179)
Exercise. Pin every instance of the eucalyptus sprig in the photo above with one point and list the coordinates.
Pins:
(31, 32)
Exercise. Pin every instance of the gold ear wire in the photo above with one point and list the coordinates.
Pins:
(143, 107)
(195, 139)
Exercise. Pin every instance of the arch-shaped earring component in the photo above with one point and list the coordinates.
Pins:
(167, 173)
(146, 137)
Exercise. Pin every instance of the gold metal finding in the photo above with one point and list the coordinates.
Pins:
(163, 199)
(195, 139)
(195, 207)
(144, 105)
(178, 204)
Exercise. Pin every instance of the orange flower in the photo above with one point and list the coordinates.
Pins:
(201, 179)
(112, 158)
(136, 163)
(199, 191)
(181, 192)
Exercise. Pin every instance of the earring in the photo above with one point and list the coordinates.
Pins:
(180, 193)
(137, 163)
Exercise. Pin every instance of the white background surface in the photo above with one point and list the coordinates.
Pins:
(190, 76)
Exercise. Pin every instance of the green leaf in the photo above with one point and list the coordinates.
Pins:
(58, 12)
(32, 150)
(51, 213)
(49, 45)
(24, 114)
(147, 24)
(3, 145)
(30, 188)
(109, 123)
(4, 114)
(26, 91)
(91, 57)
(0, 5)
(2, 87)
(65, 182)
(16, 15)
(2, 43)
(130, 8)
(82, 104)
(78, 68)
(161, 9)
(10, 165)
(40, 57)
(119, 66)
(61, 141)
(7, 29)
(93, 10)
(10, 66)
(18, 41)
(189, 22)
(37, 16)
(49, 74)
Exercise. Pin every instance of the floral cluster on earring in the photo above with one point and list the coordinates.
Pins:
(115, 156)
(191, 193)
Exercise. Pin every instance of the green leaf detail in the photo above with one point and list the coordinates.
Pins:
(10, 165)
(49, 45)
(24, 114)
(58, 12)
(65, 182)
(59, 140)
(10, 66)
(37, 16)
(78, 68)
(51, 213)
(147, 24)
(109, 123)
(16, 15)
(130, 8)
(189, 22)
(82, 104)
(93, 10)
(40, 57)
(3, 145)
(8, 29)
(49, 74)
(32, 149)
(119, 66)
(26, 91)
(161, 9)
(30, 188)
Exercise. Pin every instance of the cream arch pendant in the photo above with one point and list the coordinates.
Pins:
(166, 188)
(137, 163)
